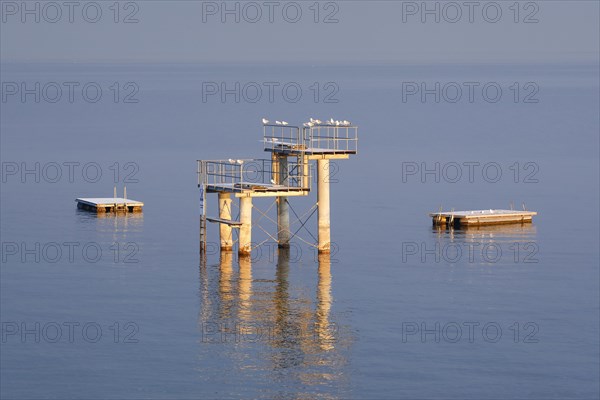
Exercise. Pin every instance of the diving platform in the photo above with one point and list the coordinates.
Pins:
(234, 224)
(314, 141)
(248, 189)
(254, 177)
(481, 217)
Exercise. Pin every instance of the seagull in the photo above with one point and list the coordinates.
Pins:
(337, 123)
(318, 121)
(308, 124)
(273, 182)
(284, 123)
(240, 161)
(265, 121)
(278, 122)
(274, 140)
(331, 121)
(312, 120)
(231, 161)
(346, 123)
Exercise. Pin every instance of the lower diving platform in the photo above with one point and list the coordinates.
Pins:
(249, 189)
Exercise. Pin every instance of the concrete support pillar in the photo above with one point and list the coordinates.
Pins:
(245, 245)
(305, 171)
(323, 205)
(226, 238)
(283, 212)
(275, 167)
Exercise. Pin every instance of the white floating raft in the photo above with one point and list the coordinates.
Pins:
(481, 217)
(109, 204)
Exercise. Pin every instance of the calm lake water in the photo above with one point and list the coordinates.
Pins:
(123, 306)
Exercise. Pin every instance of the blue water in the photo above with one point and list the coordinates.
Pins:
(387, 315)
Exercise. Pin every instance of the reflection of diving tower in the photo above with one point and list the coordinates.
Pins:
(286, 174)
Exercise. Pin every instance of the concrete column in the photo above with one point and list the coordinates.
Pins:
(275, 167)
(225, 213)
(283, 212)
(305, 171)
(323, 205)
(245, 245)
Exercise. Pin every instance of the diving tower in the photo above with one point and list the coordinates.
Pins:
(286, 173)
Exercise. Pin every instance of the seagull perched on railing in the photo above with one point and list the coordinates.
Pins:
(346, 123)
(318, 121)
(284, 123)
(231, 161)
(265, 121)
(240, 161)
(331, 122)
(308, 124)
(278, 122)
(273, 182)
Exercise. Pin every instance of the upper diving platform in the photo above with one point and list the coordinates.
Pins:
(254, 177)
(316, 139)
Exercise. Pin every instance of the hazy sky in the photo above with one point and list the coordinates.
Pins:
(365, 31)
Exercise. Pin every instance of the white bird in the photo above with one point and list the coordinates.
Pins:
(231, 161)
(278, 122)
(346, 123)
(273, 182)
(240, 161)
(312, 120)
(308, 124)
(284, 123)
(318, 121)
(274, 140)
(337, 123)
(331, 121)
(265, 121)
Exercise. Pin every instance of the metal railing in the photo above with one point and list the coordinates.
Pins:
(252, 174)
(276, 136)
(314, 139)
(331, 138)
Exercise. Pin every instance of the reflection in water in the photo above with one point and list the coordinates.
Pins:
(123, 227)
(225, 289)
(272, 329)
(245, 290)
(323, 327)
(114, 222)
(483, 244)
(508, 233)
(132, 216)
